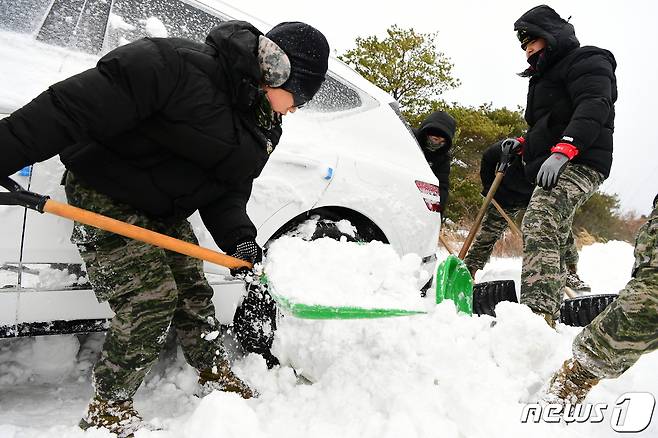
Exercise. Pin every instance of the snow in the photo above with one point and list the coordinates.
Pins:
(346, 227)
(41, 65)
(118, 22)
(427, 375)
(345, 273)
(155, 27)
(606, 267)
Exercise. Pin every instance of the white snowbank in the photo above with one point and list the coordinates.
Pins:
(606, 266)
(329, 272)
(44, 359)
(440, 374)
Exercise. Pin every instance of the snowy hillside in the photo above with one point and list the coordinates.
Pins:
(439, 374)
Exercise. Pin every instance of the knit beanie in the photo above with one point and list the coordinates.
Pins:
(308, 52)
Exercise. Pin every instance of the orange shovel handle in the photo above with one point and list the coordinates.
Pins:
(143, 235)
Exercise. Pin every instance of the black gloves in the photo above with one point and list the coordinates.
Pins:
(551, 169)
(254, 321)
(510, 148)
(247, 250)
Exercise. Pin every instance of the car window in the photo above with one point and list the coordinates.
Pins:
(98, 26)
(333, 96)
(133, 19)
(23, 16)
(76, 24)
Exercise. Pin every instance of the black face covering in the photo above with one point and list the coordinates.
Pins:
(434, 145)
(534, 58)
(536, 61)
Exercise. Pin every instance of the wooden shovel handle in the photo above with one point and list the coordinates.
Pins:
(509, 220)
(446, 244)
(143, 235)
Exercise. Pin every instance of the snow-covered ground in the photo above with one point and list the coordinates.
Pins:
(435, 375)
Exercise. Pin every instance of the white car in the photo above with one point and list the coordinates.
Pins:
(347, 155)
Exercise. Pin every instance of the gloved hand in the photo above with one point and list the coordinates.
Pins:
(247, 250)
(551, 169)
(510, 148)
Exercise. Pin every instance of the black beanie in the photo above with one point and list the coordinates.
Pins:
(308, 51)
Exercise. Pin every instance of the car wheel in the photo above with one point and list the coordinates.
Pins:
(329, 225)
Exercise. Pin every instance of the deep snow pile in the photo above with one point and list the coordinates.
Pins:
(440, 374)
(345, 273)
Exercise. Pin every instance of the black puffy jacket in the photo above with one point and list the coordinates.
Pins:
(164, 124)
(571, 95)
(515, 190)
(439, 160)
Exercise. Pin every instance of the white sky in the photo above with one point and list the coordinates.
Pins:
(478, 37)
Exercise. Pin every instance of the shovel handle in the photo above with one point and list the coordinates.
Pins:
(445, 243)
(509, 220)
(143, 235)
(480, 215)
(17, 195)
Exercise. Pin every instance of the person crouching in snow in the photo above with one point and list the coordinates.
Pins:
(435, 136)
(568, 145)
(513, 196)
(618, 336)
(159, 129)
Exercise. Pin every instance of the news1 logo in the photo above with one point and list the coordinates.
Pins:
(631, 413)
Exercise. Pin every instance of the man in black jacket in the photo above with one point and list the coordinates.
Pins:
(568, 146)
(435, 136)
(161, 128)
(513, 196)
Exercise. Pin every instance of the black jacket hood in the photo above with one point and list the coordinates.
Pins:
(236, 42)
(542, 21)
(437, 121)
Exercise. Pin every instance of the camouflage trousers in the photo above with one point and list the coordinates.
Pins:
(149, 289)
(546, 229)
(628, 327)
(493, 227)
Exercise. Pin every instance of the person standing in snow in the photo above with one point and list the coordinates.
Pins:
(513, 195)
(568, 146)
(434, 135)
(618, 336)
(159, 129)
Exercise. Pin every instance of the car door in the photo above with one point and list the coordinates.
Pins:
(11, 232)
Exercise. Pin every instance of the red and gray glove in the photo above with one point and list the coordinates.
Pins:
(550, 171)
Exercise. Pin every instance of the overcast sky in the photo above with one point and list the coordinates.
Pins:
(479, 39)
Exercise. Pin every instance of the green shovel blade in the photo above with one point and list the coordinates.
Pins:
(308, 311)
(317, 311)
(454, 282)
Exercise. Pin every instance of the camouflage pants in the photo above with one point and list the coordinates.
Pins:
(628, 327)
(149, 289)
(546, 229)
(493, 227)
